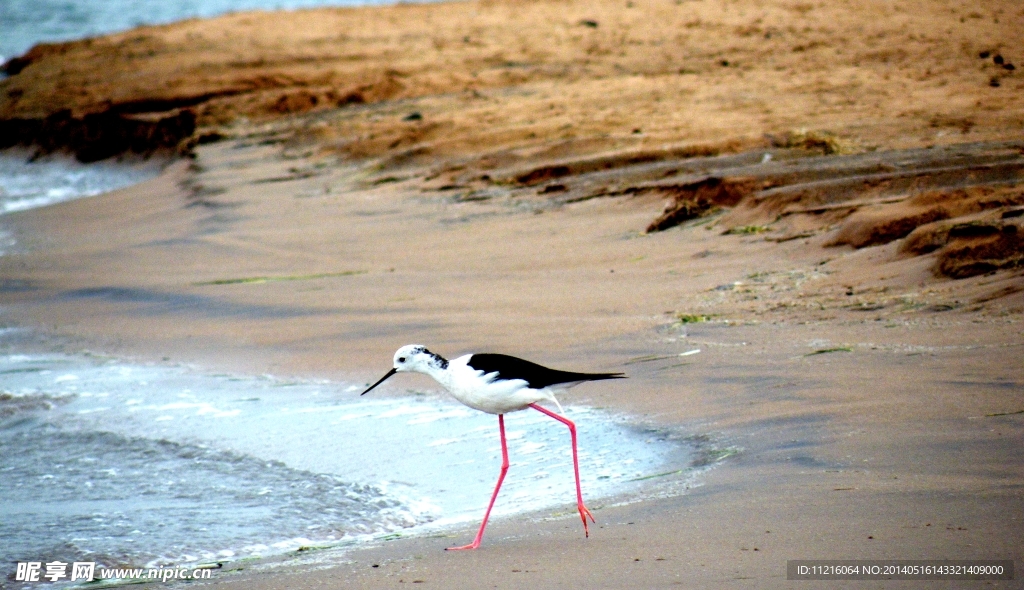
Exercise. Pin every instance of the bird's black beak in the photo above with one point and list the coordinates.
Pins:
(390, 373)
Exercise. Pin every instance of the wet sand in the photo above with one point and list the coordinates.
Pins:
(874, 401)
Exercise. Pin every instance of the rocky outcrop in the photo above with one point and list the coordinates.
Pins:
(98, 136)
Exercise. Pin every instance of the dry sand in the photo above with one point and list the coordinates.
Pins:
(875, 401)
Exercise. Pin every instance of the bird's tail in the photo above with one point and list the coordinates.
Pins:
(596, 376)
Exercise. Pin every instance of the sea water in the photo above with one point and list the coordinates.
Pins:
(149, 465)
(26, 183)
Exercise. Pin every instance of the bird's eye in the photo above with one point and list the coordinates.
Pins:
(401, 359)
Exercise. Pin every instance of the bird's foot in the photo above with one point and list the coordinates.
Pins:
(584, 513)
(472, 545)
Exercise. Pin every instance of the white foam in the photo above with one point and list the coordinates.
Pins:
(27, 185)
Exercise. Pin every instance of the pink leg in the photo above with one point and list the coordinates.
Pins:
(494, 496)
(584, 513)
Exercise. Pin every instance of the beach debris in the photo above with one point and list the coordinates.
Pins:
(552, 188)
(648, 358)
(815, 140)
(746, 230)
(830, 350)
(272, 279)
(653, 476)
(691, 318)
(1004, 414)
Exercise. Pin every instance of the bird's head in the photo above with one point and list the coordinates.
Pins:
(413, 358)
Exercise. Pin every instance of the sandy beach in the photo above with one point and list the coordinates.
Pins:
(826, 201)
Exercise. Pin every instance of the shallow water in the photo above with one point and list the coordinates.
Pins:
(150, 465)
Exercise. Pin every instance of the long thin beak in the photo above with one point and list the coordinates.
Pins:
(390, 373)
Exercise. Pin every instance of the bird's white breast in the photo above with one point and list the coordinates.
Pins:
(481, 392)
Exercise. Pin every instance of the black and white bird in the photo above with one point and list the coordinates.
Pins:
(499, 384)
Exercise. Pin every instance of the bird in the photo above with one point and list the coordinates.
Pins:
(499, 384)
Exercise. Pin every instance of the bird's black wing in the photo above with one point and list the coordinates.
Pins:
(536, 376)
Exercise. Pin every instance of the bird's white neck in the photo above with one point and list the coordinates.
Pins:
(442, 376)
(434, 365)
